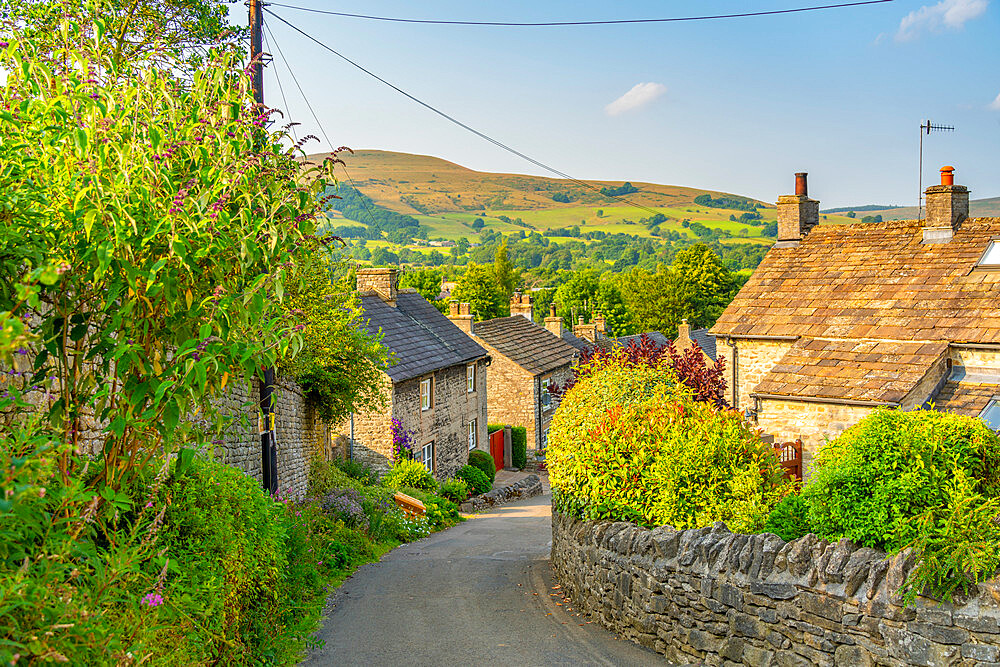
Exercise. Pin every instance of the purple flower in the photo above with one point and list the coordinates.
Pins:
(4, 45)
(152, 600)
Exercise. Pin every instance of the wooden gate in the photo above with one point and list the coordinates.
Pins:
(496, 448)
(790, 455)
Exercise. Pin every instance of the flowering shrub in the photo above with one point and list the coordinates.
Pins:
(150, 227)
(409, 473)
(455, 489)
(629, 442)
(402, 441)
(346, 505)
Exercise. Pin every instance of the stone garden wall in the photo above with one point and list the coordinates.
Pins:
(713, 597)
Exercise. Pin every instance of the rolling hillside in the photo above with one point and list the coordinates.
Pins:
(978, 208)
(447, 198)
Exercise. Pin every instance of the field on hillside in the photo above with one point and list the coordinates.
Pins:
(447, 198)
(978, 208)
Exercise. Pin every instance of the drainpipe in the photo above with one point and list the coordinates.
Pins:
(268, 442)
(736, 386)
(350, 445)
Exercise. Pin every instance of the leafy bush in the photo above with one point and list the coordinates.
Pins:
(484, 461)
(475, 478)
(789, 519)
(357, 470)
(921, 479)
(409, 473)
(455, 490)
(629, 442)
(440, 512)
(519, 446)
(347, 506)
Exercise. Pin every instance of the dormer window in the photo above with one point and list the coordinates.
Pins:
(991, 258)
(991, 414)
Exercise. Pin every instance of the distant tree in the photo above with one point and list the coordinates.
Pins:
(504, 272)
(588, 294)
(561, 197)
(400, 236)
(732, 216)
(478, 224)
(770, 229)
(600, 212)
(463, 245)
(426, 281)
(852, 214)
(383, 257)
(478, 287)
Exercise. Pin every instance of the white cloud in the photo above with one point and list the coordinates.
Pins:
(640, 95)
(945, 14)
(996, 104)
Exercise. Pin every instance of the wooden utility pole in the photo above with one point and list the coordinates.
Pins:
(268, 437)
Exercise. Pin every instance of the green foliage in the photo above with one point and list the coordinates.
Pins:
(789, 519)
(484, 461)
(696, 287)
(921, 479)
(407, 472)
(479, 288)
(519, 446)
(624, 189)
(588, 293)
(340, 364)
(504, 273)
(455, 490)
(738, 203)
(427, 282)
(441, 513)
(165, 268)
(357, 470)
(630, 443)
(475, 478)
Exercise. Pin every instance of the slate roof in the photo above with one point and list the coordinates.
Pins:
(579, 343)
(705, 341)
(869, 370)
(873, 281)
(965, 398)
(657, 337)
(533, 348)
(417, 335)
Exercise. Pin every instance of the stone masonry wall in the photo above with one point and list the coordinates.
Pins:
(446, 424)
(813, 423)
(754, 359)
(718, 598)
(512, 394)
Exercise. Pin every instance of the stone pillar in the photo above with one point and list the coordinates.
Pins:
(947, 208)
(508, 451)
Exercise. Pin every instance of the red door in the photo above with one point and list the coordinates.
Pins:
(496, 448)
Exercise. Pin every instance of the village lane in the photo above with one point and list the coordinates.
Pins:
(476, 594)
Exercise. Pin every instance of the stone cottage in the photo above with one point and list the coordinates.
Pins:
(840, 319)
(436, 385)
(525, 359)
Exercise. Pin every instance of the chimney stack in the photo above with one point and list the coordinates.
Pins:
(553, 322)
(461, 315)
(521, 304)
(600, 324)
(683, 333)
(381, 281)
(947, 208)
(797, 214)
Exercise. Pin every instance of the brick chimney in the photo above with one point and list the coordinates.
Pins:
(381, 281)
(553, 322)
(521, 304)
(797, 214)
(683, 333)
(588, 332)
(461, 315)
(947, 208)
(600, 325)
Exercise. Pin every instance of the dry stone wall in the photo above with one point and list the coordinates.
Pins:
(718, 598)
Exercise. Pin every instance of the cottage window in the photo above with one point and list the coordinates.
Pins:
(426, 394)
(425, 456)
(545, 439)
(991, 258)
(473, 435)
(470, 378)
(546, 397)
(991, 414)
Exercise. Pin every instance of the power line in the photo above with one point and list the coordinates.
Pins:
(676, 19)
(454, 120)
(281, 89)
(322, 130)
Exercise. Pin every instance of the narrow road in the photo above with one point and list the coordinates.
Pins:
(476, 594)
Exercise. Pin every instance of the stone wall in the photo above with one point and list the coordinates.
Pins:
(446, 424)
(718, 598)
(754, 359)
(512, 394)
(813, 423)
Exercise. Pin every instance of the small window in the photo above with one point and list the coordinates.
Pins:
(991, 258)
(470, 378)
(991, 414)
(425, 455)
(426, 394)
(545, 439)
(473, 435)
(546, 397)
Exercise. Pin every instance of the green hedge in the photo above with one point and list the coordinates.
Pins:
(630, 443)
(484, 461)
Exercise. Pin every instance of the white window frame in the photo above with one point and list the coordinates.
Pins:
(993, 403)
(473, 434)
(545, 398)
(426, 399)
(994, 249)
(470, 378)
(425, 456)
(545, 439)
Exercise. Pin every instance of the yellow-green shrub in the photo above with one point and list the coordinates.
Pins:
(630, 443)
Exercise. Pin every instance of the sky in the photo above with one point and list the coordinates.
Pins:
(737, 105)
